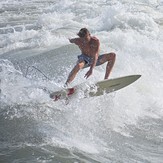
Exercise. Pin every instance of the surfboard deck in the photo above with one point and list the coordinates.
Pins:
(97, 89)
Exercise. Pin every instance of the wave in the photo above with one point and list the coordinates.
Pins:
(109, 128)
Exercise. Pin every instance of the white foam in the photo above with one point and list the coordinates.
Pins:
(129, 30)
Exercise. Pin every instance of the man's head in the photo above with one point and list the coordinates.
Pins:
(83, 33)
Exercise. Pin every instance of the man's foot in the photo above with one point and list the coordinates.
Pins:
(66, 85)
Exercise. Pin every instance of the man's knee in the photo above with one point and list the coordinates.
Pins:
(79, 65)
(111, 56)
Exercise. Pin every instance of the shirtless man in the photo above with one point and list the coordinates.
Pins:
(89, 57)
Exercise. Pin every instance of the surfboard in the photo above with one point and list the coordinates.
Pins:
(97, 89)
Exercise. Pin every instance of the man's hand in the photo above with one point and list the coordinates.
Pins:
(89, 73)
(70, 40)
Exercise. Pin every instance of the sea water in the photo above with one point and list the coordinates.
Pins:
(36, 57)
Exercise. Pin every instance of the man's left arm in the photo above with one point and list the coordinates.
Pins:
(95, 57)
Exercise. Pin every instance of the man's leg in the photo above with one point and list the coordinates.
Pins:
(74, 71)
(110, 59)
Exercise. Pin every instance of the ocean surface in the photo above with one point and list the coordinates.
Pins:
(35, 55)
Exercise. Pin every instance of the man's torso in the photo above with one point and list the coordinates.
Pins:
(88, 48)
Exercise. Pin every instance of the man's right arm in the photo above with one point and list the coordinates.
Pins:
(74, 40)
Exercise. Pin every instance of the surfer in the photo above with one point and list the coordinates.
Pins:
(89, 46)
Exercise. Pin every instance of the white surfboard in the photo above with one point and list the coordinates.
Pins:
(97, 89)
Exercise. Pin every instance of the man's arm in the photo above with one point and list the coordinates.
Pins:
(96, 48)
(74, 40)
(94, 61)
